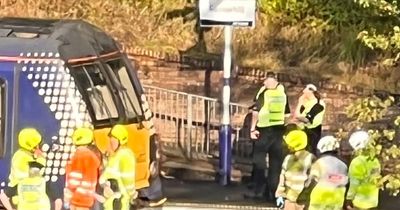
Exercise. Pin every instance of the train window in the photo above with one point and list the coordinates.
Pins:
(2, 117)
(94, 87)
(126, 91)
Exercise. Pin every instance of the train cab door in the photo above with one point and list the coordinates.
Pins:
(6, 119)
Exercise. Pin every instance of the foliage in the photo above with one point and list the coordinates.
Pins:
(389, 39)
(384, 143)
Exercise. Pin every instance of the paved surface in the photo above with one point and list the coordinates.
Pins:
(209, 195)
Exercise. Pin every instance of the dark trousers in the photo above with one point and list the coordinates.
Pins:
(269, 142)
(313, 135)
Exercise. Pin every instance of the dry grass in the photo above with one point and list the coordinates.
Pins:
(146, 23)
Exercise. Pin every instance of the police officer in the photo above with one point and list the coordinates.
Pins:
(310, 111)
(267, 130)
(29, 140)
(32, 190)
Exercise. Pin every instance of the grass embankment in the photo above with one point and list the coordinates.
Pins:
(171, 26)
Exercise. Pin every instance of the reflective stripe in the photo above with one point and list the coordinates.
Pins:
(128, 174)
(87, 184)
(297, 187)
(84, 191)
(130, 187)
(74, 182)
(76, 175)
(112, 171)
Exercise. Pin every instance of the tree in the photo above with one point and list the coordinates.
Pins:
(381, 118)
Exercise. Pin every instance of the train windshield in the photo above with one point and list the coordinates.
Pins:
(93, 87)
(121, 78)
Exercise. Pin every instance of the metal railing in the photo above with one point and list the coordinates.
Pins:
(190, 123)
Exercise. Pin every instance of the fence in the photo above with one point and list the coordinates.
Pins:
(190, 123)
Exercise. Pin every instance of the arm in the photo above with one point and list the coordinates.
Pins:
(258, 105)
(287, 111)
(128, 173)
(280, 191)
(356, 175)
(315, 173)
(19, 168)
(315, 112)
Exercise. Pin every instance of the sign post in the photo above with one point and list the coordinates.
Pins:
(226, 13)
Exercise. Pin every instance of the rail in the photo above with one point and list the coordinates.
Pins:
(190, 123)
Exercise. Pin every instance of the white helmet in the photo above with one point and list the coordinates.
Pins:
(327, 143)
(359, 140)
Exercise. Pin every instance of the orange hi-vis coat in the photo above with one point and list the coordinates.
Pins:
(82, 173)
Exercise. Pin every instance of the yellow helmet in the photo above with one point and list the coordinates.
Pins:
(29, 138)
(82, 136)
(296, 139)
(120, 133)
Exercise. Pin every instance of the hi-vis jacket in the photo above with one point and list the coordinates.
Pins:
(314, 111)
(81, 177)
(364, 172)
(330, 174)
(20, 166)
(294, 174)
(121, 166)
(32, 194)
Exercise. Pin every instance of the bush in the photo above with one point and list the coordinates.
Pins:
(381, 119)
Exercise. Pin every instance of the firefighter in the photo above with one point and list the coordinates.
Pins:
(32, 190)
(294, 172)
(310, 110)
(118, 178)
(29, 140)
(364, 173)
(82, 173)
(330, 175)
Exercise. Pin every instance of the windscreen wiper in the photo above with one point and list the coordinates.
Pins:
(97, 96)
(125, 97)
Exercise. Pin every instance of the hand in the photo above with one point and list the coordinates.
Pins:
(135, 195)
(133, 198)
(254, 134)
(280, 202)
(302, 119)
(66, 205)
(348, 204)
(108, 192)
(38, 153)
(99, 198)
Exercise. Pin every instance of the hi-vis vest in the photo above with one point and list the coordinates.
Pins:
(364, 172)
(32, 194)
(273, 111)
(330, 174)
(317, 121)
(262, 89)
